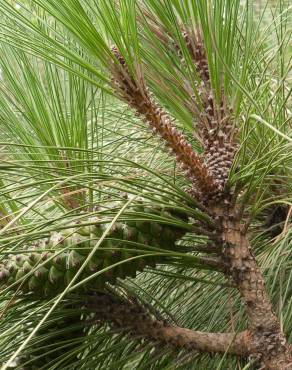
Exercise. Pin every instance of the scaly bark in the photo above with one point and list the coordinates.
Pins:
(133, 318)
(218, 135)
(138, 97)
(213, 118)
(267, 338)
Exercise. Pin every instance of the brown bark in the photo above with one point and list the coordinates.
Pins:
(265, 335)
(267, 338)
(133, 318)
(136, 94)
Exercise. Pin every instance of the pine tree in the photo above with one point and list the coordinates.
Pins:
(145, 185)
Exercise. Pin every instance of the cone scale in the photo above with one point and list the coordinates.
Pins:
(49, 271)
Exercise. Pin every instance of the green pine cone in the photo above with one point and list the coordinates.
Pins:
(50, 271)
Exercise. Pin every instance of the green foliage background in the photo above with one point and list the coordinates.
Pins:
(63, 130)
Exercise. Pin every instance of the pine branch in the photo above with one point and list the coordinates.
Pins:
(218, 134)
(136, 94)
(265, 330)
(216, 128)
(133, 318)
(214, 121)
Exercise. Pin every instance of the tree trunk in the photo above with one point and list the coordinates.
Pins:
(267, 338)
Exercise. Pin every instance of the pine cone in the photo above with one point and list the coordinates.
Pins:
(51, 271)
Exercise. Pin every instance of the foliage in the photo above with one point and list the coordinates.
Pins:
(69, 147)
